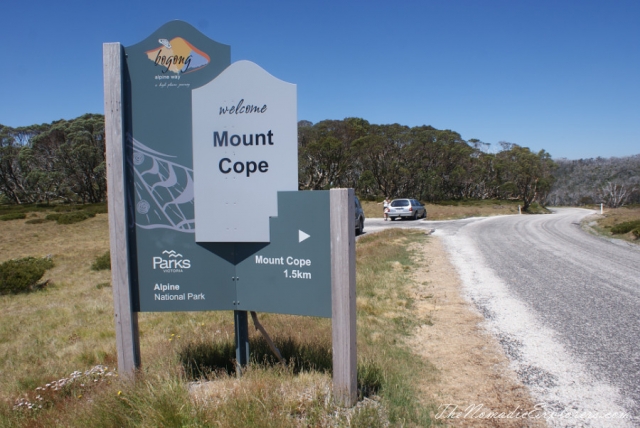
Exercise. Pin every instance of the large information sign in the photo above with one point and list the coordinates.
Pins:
(204, 210)
(211, 144)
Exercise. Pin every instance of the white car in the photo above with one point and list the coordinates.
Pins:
(406, 208)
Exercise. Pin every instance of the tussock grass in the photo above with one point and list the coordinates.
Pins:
(102, 262)
(188, 374)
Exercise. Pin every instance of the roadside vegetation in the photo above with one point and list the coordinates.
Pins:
(64, 161)
(620, 223)
(57, 347)
(452, 210)
(612, 181)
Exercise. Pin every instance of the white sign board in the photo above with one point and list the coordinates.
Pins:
(245, 150)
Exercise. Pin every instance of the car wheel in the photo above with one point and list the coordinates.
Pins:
(359, 229)
(415, 215)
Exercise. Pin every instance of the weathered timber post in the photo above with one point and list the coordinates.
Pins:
(343, 296)
(127, 338)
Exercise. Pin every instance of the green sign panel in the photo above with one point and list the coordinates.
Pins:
(171, 271)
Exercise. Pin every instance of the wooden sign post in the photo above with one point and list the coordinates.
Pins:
(127, 333)
(170, 254)
(343, 296)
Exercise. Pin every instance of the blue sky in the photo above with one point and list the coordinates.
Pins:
(563, 76)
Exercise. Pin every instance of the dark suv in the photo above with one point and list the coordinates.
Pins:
(359, 217)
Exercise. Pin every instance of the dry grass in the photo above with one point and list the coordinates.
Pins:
(47, 335)
(613, 216)
(405, 344)
(473, 372)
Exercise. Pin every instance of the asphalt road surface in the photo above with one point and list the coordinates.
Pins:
(564, 304)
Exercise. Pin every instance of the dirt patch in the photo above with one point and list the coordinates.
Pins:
(475, 385)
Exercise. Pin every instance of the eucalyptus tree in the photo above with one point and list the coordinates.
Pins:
(524, 174)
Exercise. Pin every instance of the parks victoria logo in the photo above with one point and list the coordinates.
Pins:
(177, 56)
(171, 262)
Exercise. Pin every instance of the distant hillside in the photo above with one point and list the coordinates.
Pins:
(586, 181)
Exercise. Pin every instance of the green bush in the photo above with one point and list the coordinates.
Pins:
(68, 208)
(37, 221)
(625, 227)
(97, 208)
(22, 275)
(13, 216)
(70, 217)
(8, 209)
(103, 262)
(23, 208)
(100, 208)
(52, 217)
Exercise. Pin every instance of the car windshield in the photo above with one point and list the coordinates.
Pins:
(400, 203)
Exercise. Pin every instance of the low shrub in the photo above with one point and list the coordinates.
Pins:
(103, 262)
(536, 208)
(22, 275)
(13, 216)
(636, 233)
(52, 217)
(68, 208)
(70, 217)
(99, 208)
(625, 227)
(37, 221)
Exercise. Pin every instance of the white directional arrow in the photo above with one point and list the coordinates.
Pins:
(302, 236)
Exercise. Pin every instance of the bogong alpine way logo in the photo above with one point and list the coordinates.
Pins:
(171, 262)
(178, 56)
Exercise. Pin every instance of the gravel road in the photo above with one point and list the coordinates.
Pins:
(564, 304)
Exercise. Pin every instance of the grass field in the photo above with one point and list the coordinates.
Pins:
(57, 348)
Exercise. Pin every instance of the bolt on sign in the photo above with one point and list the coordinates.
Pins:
(204, 184)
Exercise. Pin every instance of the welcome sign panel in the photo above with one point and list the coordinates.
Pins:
(245, 148)
(208, 147)
(173, 272)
